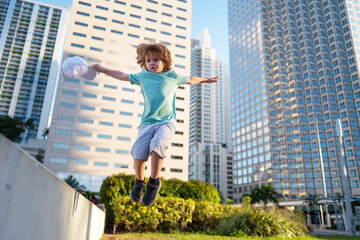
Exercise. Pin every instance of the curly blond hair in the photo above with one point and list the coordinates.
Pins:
(153, 48)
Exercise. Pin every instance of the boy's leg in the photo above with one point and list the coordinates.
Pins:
(139, 166)
(156, 164)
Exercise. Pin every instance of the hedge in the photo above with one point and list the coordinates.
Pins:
(120, 185)
(176, 214)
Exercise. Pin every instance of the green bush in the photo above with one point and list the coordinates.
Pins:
(196, 190)
(120, 185)
(258, 222)
(207, 216)
(112, 188)
(167, 215)
(176, 214)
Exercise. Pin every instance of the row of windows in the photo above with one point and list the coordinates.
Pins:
(133, 5)
(105, 110)
(106, 123)
(85, 162)
(131, 14)
(101, 164)
(101, 150)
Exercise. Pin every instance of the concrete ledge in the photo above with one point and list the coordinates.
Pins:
(36, 205)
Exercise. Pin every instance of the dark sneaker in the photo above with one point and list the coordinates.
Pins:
(136, 193)
(151, 193)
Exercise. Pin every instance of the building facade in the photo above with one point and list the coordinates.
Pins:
(96, 122)
(31, 45)
(294, 73)
(209, 159)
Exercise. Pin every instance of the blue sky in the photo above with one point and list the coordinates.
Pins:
(205, 13)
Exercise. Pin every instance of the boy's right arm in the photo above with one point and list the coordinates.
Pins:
(112, 73)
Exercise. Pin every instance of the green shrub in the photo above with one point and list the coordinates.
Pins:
(167, 215)
(207, 216)
(112, 188)
(258, 222)
(176, 214)
(196, 190)
(120, 185)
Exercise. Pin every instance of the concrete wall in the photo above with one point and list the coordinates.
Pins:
(36, 204)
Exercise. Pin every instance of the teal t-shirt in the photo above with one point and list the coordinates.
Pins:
(159, 91)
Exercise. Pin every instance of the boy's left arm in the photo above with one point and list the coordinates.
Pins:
(196, 80)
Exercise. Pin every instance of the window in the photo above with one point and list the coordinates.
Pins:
(77, 45)
(105, 150)
(107, 110)
(127, 101)
(102, 8)
(126, 139)
(101, 164)
(89, 95)
(79, 34)
(106, 123)
(87, 108)
(83, 13)
(125, 152)
(124, 125)
(82, 148)
(67, 105)
(79, 162)
(101, 18)
(84, 120)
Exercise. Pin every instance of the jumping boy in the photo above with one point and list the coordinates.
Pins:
(158, 84)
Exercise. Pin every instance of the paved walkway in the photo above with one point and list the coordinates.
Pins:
(333, 232)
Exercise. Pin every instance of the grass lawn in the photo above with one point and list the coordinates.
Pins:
(187, 236)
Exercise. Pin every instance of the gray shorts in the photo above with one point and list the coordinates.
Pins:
(152, 137)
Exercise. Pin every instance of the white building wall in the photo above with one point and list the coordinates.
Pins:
(108, 33)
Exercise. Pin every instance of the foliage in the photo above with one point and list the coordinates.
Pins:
(246, 200)
(114, 187)
(12, 128)
(176, 214)
(120, 185)
(193, 189)
(202, 236)
(167, 214)
(45, 133)
(259, 222)
(265, 193)
(74, 183)
(207, 216)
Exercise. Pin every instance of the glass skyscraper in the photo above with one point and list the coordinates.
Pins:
(294, 72)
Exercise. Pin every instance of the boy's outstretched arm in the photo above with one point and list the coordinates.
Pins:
(112, 73)
(196, 80)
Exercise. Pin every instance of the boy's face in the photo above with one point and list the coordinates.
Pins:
(154, 63)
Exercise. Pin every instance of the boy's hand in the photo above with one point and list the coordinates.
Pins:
(212, 80)
(97, 67)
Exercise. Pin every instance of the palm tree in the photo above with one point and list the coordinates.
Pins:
(45, 133)
(265, 193)
(74, 183)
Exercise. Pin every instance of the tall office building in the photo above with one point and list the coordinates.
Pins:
(209, 160)
(31, 44)
(294, 69)
(95, 123)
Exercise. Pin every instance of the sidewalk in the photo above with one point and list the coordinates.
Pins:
(332, 232)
